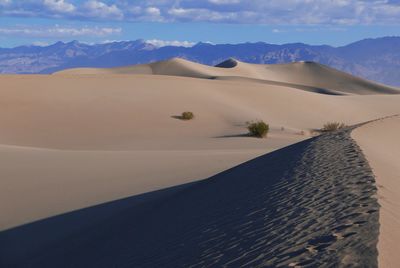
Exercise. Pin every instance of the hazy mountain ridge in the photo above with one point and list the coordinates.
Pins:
(374, 59)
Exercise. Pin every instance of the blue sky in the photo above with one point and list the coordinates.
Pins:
(184, 22)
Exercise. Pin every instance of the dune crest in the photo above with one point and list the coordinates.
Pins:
(379, 140)
(309, 204)
(229, 63)
(317, 77)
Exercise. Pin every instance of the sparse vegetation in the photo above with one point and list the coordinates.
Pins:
(187, 116)
(332, 126)
(258, 129)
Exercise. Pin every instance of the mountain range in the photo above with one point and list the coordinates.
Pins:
(373, 59)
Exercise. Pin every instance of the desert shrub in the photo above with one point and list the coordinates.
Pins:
(332, 126)
(258, 129)
(187, 116)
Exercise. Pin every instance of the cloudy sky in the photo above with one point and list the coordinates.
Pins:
(184, 22)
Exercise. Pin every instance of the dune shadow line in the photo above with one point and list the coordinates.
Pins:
(235, 136)
(287, 207)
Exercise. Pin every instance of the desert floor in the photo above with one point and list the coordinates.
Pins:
(86, 137)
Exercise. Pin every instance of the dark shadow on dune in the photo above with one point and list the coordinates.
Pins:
(309, 204)
(179, 117)
(284, 84)
(30, 239)
(229, 63)
(323, 91)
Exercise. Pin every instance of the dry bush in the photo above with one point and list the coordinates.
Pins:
(258, 129)
(187, 116)
(332, 126)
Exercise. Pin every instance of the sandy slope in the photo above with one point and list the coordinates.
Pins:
(87, 136)
(380, 142)
(37, 183)
(71, 141)
(76, 139)
(312, 204)
(120, 112)
(317, 77)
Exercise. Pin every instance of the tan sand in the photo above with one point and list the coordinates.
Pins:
(120, 112)
(309, 74)
(72, 141)
(310, 204)
(380, 143)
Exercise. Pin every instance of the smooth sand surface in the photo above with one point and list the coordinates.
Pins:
(37, 183)
(74, 140)
(380, 142)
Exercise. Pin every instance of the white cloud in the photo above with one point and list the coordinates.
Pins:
(5, 2)
(195, 14)
(163, 43)
(40, 44)
(59, 31)
(59, 6)
(288, 12)
(277, 31)
(150, 13)
(135, 10)
(271, 12)
(97, 9)
(153, 11)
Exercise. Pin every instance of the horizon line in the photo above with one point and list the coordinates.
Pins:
(193, 44)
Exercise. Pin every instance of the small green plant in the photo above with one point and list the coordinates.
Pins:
(332, 126)
(187, 116)
(258, 129)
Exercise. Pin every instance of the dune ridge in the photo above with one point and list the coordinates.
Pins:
(379, 140)
(313, 76)
(88, 139)
(308, 204)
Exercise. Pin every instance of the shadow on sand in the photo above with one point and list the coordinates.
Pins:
(309, 204)
(179, 117)
(243, 135)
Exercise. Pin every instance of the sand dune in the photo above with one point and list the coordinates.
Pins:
(104, 132)
(380, 142)
(309, 204)
(115, 112)
(84, 137)
(308, 75)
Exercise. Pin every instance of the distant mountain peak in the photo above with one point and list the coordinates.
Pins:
(74, 42)
(59, 43)
(204, 44)
(375, 59)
